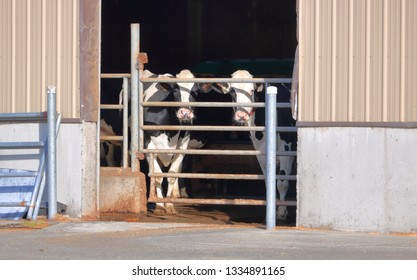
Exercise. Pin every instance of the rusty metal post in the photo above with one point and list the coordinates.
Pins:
(125, 120)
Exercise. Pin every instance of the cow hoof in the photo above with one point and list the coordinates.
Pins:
(183, 193)
(282, 214)
(170, 209)
(159, 211)
(281, 221)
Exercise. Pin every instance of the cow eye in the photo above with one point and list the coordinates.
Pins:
(233, 95)
(177, 94)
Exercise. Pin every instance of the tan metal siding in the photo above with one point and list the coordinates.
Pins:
(307, 58)
(374, 60)
(409, 61)
(358, 61)
(39, 47)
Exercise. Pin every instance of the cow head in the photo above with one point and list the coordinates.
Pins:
(242, 93)
(184, 114)
(177, 92)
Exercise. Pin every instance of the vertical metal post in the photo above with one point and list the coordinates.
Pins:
(42, 186)
(125, 120)
(51, 156)
(134, 80)
(271, 139)
(140, 110)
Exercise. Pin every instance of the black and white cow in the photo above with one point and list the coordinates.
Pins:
(155, 139)
(206, 93)
(111, 124)
(245, 92)
(109, 150)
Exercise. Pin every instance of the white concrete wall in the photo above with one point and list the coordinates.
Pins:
(361, 179)
(76, 161)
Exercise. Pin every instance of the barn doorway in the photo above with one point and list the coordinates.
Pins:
(187, 34)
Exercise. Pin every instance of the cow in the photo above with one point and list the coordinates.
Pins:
(247, 116)
(208, 116)
(108, 149)
(111, 124)
(168, 139)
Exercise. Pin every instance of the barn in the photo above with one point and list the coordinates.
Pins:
(357, 115)
(355, 105)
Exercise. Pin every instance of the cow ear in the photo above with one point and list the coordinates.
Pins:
(224, 88)
(259, 88)
(164, 86)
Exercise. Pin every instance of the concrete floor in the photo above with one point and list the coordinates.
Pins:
(121, 240)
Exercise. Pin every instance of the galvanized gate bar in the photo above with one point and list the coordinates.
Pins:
(14, 204)
(112, 138)
(115, 75)
(22, 145)
(220, 176)
(23, 117)
(219, 152)
(111, 106)
(217, 80)
(215, 128)
(18, 174)
(222, 201)
(211, 104)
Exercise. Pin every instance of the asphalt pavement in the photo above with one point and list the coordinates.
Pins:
(110, 240)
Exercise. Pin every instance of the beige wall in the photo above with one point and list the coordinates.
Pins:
(39, 46)
(358, 61)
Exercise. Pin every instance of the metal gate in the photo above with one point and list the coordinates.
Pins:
(137, 129)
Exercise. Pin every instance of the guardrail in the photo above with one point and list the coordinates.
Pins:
(47, 159)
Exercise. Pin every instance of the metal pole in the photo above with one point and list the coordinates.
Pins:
(22, 117)
(125, 120)
(134, 80)
(51, 174)
(271, 139)
(42, 186)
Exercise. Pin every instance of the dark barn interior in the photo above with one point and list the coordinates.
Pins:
(178, 34)
(182, 34)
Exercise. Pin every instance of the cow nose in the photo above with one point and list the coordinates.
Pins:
(184, 113)
(241, 116)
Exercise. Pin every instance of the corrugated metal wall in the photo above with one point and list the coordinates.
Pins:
(358, 61)
(39, 46)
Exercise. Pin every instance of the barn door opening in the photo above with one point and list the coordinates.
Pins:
(211, 38)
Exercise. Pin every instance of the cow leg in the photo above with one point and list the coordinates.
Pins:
(160, 207)
(107, 153)
(285, 168)
(176, 167)
(173, 183)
